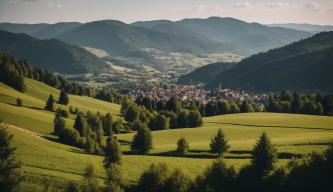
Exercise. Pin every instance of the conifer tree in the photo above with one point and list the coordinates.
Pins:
(219, 143)
(112, 152)
(63, 98)
(9, 175)
(50, 103)
(263, 156)
(80, 124)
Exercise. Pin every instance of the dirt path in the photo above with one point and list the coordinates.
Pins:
(34, 134)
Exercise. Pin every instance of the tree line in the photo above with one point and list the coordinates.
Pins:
(88, 132)
(286, 102)
(313, 172)
(160, 115)
(13, 72)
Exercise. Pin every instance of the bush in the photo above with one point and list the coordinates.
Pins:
(115, 179)
(217, 177)
(182, 146)
(142, 141)
(19, 102)
(153, 179)
(63, 112)
(177, 182)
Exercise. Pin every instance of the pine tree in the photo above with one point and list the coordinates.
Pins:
(80, 124)
(9, 176)
(246, 107)
(112, 152)
(219, 143)
(263, 156)
(107, 124)
(63, 98)
(142, 141)
(173, 105)
(182, 146)
(50, 103)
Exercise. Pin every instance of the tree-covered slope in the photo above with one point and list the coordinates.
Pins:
(116, 37)
(248, 37)
(205, 73)
(50, 54)
(213, 34)
(304, 65)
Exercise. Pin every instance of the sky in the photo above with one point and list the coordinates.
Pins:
(261, 11)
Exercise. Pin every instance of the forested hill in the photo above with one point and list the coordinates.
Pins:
(50, 54)
(213, 34)
(205, 73)
(304, 65)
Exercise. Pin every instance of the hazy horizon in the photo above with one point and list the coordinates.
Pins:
(319, 12)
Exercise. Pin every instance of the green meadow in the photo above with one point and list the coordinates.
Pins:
(48, 162)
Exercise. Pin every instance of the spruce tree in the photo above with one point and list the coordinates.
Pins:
(63, 98)
(263, 156)
(219, 143)
(107, 124)
(112, 152)
(80, 124)
(9, 175)
(50, 103)
(142, 141)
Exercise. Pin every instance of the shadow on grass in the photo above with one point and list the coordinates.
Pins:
(234, 154)
(30, 107)
(273, 126)
(124, 142)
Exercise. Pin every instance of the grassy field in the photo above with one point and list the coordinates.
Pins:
(48, 162)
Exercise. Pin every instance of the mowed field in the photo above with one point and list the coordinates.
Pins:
(48, 162)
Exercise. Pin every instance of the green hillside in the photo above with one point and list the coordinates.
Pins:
(200, 75)
(50, 54)
(48, 162)
(304, 65)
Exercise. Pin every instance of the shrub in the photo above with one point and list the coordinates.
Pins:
(182, 146)
(19, 102)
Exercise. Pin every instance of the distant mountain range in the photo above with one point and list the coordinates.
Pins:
(209, 35)
(305, 27)
(51, 54)
(303, 65)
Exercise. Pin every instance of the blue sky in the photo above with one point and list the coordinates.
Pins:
(262, 11)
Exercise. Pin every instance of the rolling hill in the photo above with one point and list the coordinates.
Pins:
(199, 75)
(213, 34)
(305, 65)
(47, 162)
(119, 38)
(305, 27)
(50, 54)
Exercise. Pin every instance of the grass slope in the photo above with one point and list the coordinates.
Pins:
(48, 162)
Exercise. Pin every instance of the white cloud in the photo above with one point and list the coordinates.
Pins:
(315, 6)
(200, 8)
(55, 5)
(264, 5)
